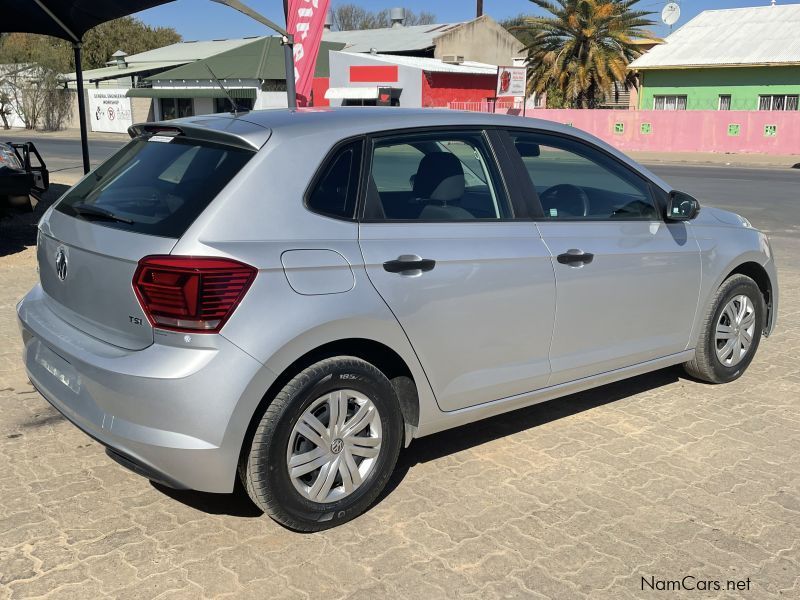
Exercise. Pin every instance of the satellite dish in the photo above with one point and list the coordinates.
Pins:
(671, 14)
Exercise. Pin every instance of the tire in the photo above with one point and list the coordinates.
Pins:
(265, 469)
(707, 364)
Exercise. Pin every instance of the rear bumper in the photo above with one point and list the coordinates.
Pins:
(175, 414)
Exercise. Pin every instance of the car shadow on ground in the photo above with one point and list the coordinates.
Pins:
(18, 232)
(455, 440)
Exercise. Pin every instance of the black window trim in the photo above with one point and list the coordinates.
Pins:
(535, 205)
(485, 133)
(330, 157)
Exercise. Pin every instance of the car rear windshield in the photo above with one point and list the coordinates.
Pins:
(156, 186)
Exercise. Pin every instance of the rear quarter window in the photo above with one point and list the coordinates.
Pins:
(155, 188)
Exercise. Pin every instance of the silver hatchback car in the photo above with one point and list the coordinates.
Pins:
(291, 296)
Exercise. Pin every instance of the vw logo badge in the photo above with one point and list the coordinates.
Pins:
(337, 445)
(61, 263)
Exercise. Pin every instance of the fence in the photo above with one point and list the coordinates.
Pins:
(485, 106)
(734, 132)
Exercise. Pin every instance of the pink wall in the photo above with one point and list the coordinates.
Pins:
(685, 131)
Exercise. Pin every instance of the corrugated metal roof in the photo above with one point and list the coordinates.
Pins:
(116, 72)
(168, 56)
(188, 51)
(260, 59)
(389, 39)
(739, 36)
(432, 65)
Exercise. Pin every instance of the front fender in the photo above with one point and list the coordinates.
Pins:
(724, 250)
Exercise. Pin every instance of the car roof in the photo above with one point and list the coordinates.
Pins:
(343, 122)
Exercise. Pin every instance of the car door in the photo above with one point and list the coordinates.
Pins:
(627, 282)
(471, 284)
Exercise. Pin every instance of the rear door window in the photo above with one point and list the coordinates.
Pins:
(155, 187)
(335, 192)
(442, 176)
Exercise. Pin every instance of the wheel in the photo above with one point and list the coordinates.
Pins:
(326, 445)
(731, 332)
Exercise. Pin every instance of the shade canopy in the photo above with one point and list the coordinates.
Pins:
(67, 19)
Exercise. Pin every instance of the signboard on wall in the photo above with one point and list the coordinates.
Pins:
(511, 82)
(110, 110)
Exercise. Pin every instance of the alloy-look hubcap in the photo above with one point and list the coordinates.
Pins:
(736, 327)
(334, 446)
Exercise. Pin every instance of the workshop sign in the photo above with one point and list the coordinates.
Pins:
(511, 82)
(110, 110)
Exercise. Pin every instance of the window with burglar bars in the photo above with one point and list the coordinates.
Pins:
(778, 102)
(724, 102)
(669, 103)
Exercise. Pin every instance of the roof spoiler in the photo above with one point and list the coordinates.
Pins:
(222, 130)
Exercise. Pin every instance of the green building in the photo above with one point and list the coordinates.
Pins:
(733, 59)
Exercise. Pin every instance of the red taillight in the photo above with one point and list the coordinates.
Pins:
(187, 293)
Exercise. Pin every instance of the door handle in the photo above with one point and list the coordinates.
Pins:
(409, 262)
(575, 258)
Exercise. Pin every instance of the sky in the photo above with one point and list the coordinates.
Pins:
(204, 19)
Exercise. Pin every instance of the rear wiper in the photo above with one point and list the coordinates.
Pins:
(93, 212)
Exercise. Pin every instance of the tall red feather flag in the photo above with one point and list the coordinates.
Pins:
(305, 19)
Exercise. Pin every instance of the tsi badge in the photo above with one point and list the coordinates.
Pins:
(61, 263)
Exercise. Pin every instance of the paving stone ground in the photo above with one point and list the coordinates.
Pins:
(582, 497)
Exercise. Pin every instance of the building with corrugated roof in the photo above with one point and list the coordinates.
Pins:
(183, 79)
(409, 81)
(732, 59)
(420, 65)
(477, 40)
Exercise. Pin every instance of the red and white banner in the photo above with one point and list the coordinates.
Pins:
(305, 20)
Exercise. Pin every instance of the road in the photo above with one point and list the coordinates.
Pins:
(770, 198)
(64, 153)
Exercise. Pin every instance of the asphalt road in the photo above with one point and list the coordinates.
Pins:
(65, 154)
(769, 198)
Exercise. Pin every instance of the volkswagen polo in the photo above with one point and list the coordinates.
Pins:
(289, 297)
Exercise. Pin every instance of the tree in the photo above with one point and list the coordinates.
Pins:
(99, 43)
(128, 34)
(349, 17)
(33, 87)
(583, 48)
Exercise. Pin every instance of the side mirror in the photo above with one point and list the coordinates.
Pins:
(681, 206)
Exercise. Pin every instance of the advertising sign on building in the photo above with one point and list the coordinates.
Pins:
(110, 110)
(511, 82)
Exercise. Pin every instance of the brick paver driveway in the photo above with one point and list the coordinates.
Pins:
(657, 477)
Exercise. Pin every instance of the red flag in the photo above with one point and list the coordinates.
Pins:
(305, 19)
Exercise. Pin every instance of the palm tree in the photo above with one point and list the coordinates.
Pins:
(584, 48)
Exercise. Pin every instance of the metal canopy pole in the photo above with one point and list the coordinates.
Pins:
(81, 108)
(76, 46)
(288, 61)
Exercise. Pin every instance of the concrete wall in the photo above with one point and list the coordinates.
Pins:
(270, 100)
(704, 86)
(764, 132)
(142, 109)
(203, 106)
(480, 40)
